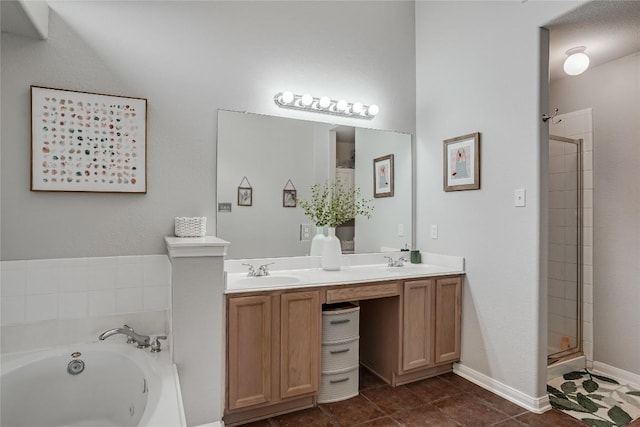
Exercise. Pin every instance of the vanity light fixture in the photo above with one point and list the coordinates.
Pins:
(325, 105)
(577, 61)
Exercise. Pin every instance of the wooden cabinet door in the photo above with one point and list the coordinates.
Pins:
(417, 324)
(249, 351)
(300, 317)
(447, 325)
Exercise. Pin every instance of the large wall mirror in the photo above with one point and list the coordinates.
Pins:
(268, 155)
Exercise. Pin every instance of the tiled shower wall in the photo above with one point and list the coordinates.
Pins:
(73, 298)
(562, 232)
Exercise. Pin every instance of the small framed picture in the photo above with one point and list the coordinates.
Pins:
(383, 176)
(245, 196)
(289, 198)
(462, 163)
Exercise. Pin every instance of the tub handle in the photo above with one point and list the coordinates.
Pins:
(130, 339)
(155, 344)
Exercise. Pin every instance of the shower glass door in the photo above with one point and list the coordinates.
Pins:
(565, 249)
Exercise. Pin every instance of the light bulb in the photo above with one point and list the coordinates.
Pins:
(373, 110)
(342, 105)
(357, 108)
(577, 62)
(286, 97)
(325, 102)
(306, 99)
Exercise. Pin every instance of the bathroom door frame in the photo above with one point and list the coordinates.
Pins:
(576, 350)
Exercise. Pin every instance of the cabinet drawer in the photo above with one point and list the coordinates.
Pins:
(355, 293)
(337, 356)
(339, 386)
(340, 325)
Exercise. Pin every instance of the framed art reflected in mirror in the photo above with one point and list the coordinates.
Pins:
(383, 176)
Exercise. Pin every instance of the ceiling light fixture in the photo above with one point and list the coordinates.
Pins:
(577, 61)
(325, 105)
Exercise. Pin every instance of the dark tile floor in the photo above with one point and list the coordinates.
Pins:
(447, 400)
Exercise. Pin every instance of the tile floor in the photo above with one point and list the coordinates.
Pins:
(447, 400)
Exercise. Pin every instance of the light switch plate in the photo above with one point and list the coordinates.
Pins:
(519, 197)
(224, 207)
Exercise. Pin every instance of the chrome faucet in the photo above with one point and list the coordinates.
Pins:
(397, 263)
(141, 340)
(156, 347)
(263, 270)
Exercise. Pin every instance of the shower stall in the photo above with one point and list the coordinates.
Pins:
(565, 282)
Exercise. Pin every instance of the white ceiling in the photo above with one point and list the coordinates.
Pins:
(29, 19)
(608, 29)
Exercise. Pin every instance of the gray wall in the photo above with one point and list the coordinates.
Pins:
(477, 68)
(613, 91)
(189, 59)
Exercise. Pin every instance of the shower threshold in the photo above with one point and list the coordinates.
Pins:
(572, 362)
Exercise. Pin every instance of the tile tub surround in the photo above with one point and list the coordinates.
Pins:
(62, 301)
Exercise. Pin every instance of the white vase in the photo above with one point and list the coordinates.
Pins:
(331, 252)
(317, 243)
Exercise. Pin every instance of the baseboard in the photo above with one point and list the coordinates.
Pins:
(537, 405)
(616, 373)
(214, 424)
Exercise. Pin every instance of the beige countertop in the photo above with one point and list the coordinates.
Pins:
(302, 272)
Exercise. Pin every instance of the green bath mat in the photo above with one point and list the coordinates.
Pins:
(594, 399)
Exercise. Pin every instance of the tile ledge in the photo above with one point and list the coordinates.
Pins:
(195, 246)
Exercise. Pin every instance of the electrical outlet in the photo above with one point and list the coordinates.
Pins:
(400, 230)
(305, 232)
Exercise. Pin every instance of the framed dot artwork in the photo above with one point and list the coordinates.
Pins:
(87, 142)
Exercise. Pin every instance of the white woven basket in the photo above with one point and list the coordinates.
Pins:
(191, 226)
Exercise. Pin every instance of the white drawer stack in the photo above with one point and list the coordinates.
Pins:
(340, 353)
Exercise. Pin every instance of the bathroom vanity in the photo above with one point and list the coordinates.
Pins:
(409, 328)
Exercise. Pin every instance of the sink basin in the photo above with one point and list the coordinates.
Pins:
(274, 280)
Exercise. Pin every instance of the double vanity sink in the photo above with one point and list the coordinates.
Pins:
(409, 326)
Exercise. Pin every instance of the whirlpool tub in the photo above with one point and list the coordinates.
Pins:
(90, 385)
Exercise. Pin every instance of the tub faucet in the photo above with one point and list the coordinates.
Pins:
(141, 340)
